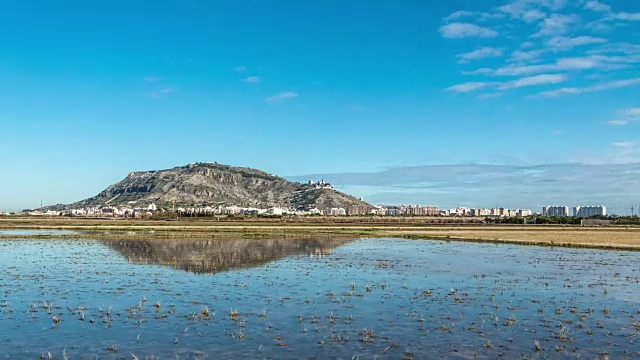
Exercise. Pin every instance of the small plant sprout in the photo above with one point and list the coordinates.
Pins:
(233, 314)
(536, 345)
(205, 312)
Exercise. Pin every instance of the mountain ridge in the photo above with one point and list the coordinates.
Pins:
(214, 184)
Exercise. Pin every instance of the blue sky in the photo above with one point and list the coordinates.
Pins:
(90, 91)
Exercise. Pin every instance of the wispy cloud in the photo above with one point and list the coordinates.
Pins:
(597, 6)
(604, 8)
(533, 15)
(627, 16)
(161, 93)
(152, 79)
(281, 97)
(240, 69)
(627, 116)
(520, 56)
(551, 27)
(618, 122)
(611, 183)
(461, 30)
(543, 79)
(566, 43)
(632, 112)
(482, 53)
(568, 64)
(466, 87)
(554, 25)
(458, 15)
(594, 88)
(252, 79)
(478, 71)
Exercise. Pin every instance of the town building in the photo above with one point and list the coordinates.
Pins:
(417, 210)
(588, 211)
(555, 211)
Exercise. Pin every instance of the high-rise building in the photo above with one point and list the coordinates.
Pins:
(555, 211)
(588, 211)
(417, 210)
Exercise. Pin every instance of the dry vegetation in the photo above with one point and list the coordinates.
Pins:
(610, 237)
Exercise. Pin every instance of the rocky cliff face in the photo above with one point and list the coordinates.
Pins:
(216, 184)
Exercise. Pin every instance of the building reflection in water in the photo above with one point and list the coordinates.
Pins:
(215, 255)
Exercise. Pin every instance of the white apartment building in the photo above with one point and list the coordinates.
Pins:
(555, 211)
(587, 211)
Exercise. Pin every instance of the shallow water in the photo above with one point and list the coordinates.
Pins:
(386, 298)
(43, 232)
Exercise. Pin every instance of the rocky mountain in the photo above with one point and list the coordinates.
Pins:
(214, 184)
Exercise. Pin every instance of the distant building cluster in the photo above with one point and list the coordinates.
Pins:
(578, 211)
(494, 212)
(418, 210)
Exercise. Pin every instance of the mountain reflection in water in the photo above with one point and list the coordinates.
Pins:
(215, 255)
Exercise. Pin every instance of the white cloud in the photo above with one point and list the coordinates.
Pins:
(632, 112)
(543, 79)
(599, 62)
(482, 53)
(526, 56)
(252, 79)
(457, 15)
(597, 6)
(520, 8)
(467, 87)
(566, 43)
(533, 15)
(160, 93)
(478, 71)
(490, 16)
(624, 48)
(554, 25)
(461, 30)
(594, 88)
(281, 97)
(624, 144)
(628, 116)
(627, 16)
(618, 122)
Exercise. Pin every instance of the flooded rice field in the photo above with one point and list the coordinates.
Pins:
(362, 299)
(43, 232)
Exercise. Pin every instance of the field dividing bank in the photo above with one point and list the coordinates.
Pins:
(611, 237)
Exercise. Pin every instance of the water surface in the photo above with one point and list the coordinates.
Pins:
(383, 298)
